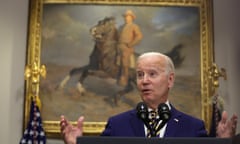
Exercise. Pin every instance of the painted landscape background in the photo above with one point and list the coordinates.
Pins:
(67, 44)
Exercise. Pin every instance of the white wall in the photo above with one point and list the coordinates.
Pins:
(13, 28)
(227, 44)
(13, 34)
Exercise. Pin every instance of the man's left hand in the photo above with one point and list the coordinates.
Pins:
(227, 128)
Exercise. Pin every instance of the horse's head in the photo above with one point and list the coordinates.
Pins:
(104, 27)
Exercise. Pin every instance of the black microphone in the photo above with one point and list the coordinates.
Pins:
(164, 112)
(142, 111)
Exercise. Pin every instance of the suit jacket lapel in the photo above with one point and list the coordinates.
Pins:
(137, 125)
(172, 125)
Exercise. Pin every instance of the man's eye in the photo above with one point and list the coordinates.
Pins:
(140, 75)
(152, 74)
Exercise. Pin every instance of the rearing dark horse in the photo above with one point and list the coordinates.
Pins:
(103, 59)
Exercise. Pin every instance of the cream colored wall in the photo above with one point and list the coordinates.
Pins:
(13, 27)
(13, 34)
(227, 51)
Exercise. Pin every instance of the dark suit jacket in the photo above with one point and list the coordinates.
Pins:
(128, 124)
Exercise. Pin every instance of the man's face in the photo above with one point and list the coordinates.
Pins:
(153, 81)
(128, 19)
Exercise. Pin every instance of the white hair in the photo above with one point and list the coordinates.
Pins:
(169, 63)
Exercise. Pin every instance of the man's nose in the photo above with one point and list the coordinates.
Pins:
(145, 79)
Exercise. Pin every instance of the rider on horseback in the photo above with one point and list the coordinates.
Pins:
(129, 35)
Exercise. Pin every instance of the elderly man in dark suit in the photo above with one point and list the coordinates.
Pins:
(155, 77)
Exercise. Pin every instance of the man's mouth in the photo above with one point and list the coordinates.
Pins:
(146, 91)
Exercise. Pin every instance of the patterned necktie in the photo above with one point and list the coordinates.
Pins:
(153, 123)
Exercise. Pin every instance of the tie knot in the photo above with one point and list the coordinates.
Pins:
(152, 115)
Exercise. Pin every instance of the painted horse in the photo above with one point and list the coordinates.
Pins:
(103, 59)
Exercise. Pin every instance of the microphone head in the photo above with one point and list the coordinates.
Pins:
(142, 111)
(164, 112)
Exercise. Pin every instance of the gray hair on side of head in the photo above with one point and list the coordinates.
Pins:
(169, 63)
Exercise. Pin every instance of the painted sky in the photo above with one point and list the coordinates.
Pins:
(66, 39)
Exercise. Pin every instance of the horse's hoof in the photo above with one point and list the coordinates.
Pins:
(80, 89)
(82, 93)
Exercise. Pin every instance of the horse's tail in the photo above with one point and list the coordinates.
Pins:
(175, 55)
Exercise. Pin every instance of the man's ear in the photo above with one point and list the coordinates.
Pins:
(171, 79)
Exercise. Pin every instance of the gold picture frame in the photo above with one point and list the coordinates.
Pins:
(35, 66)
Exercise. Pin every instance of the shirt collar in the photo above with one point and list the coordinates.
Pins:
(167, 103)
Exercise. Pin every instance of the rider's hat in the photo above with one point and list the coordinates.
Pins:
(129, 12)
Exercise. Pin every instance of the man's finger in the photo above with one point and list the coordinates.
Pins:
(80, 122)
(224, 117)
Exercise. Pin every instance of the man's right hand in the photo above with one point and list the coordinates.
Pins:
(70, 132)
